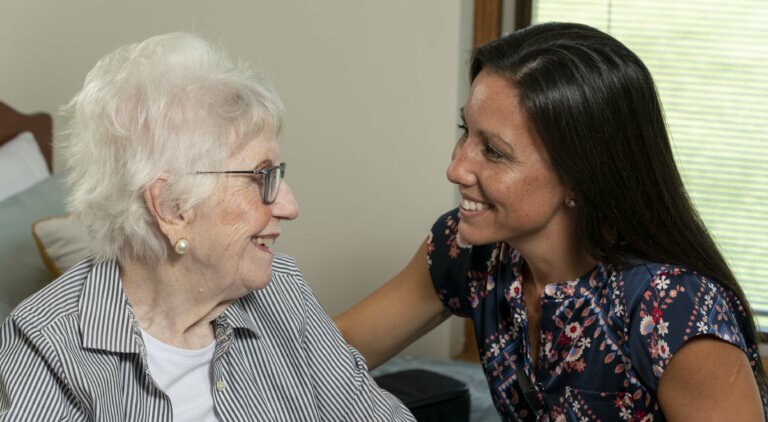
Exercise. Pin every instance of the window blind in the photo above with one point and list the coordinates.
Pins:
(709, 59)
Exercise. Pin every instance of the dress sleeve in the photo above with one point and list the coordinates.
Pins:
(344, 389)
(675, 307)
(455, 266)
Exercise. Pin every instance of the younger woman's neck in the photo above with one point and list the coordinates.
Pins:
(554, 257)
(548, 269)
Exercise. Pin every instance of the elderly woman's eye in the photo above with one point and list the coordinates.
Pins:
(258, 178)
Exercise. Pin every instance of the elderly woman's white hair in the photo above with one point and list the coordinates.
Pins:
(165, 107)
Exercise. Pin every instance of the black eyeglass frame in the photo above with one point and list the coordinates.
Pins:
(268, 192)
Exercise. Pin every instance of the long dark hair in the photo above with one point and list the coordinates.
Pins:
(594, 105)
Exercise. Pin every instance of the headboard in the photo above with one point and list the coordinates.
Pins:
(22, 271)
(13, 123)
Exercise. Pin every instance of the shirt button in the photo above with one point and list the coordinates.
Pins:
(221, 385)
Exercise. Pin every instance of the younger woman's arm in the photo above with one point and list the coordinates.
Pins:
(396, 314)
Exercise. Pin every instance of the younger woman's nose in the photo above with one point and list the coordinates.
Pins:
(460, 170)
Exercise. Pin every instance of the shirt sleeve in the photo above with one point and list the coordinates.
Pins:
(675, 307)
(455, 267)
(344, 389)
(29, 386)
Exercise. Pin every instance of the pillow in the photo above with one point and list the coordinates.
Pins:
(21, 270)
(21, 165)
(62, 242)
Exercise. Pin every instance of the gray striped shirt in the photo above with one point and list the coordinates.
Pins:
(73, 351)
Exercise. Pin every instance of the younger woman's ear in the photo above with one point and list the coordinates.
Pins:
(168, 215)
(570, 198)
(570, 193)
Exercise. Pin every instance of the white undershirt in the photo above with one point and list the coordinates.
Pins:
(185, 376)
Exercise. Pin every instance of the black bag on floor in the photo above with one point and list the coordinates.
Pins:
(431, 397)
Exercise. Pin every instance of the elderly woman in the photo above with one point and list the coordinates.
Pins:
(595, 291)
(184, 312)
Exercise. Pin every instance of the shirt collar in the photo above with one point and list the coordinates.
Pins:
(593, 279)
(237, 316)
(106, 320)
(590, 282)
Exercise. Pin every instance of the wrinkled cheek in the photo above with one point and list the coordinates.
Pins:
(232, 217)
(240, 224)
(237, 236)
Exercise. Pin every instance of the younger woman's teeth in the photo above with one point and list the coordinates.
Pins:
(474, 206)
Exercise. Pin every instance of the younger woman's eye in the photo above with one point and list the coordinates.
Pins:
(493, 153)
(464, 132)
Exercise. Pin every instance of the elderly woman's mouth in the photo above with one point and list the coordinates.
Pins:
(266, 242)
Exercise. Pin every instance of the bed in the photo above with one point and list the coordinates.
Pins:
(29, 193)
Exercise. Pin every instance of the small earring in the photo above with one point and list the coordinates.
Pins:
(181, 246)
(571, 203)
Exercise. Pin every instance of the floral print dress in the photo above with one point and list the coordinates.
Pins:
(605, 337)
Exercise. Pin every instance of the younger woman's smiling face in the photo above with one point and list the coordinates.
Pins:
(509, 191)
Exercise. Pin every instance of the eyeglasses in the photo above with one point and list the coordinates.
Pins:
(270, 180)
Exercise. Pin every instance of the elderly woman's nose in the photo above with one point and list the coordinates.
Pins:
(285, 206)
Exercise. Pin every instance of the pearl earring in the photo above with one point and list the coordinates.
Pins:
(571, 203)
(181, 246)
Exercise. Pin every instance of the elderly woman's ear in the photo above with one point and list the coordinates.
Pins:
(168, 215)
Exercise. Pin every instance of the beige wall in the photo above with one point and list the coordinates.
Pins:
(372, 90)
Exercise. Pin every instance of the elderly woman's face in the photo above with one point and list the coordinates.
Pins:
(233, 230)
